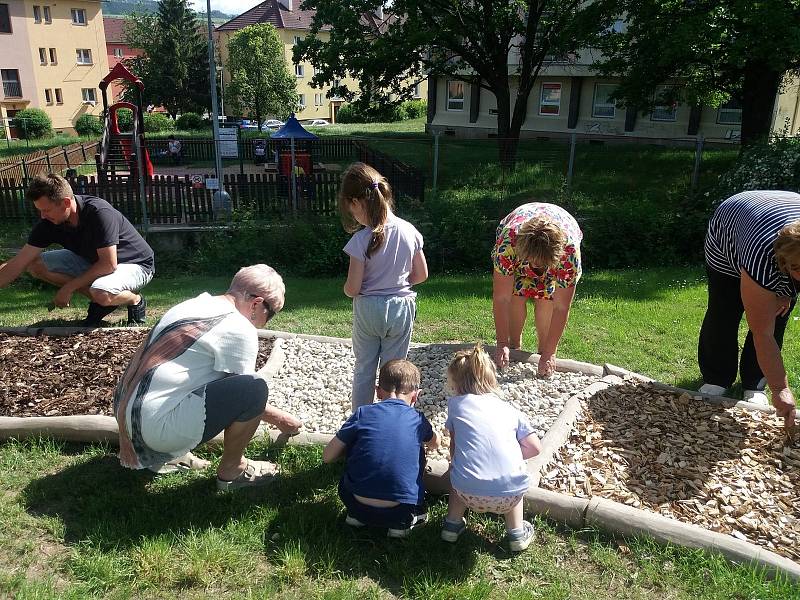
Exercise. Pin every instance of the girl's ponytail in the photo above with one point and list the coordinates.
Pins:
(473, 372)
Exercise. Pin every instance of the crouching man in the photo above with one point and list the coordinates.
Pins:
(102, 257)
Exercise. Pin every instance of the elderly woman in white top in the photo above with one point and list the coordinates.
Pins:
(194, 377)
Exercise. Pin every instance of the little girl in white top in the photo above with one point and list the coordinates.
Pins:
(489, 443)
(386, 259)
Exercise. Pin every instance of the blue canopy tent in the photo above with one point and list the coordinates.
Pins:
(292, 130)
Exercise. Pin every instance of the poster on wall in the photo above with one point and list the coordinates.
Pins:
(229, 142)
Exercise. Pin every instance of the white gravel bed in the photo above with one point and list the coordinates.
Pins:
(315, 380)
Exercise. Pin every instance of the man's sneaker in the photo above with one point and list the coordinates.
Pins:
(94, 317)
(353, 522)
(137, 312)
(709, 389)
(756, 397)
(521, 538)
(452, 531)
(401, 533)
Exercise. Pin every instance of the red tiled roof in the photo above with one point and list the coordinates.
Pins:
(114, 28)
(276, 14)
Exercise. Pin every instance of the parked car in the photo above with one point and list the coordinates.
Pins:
(317, 123)
(272, 124)
(248, 124)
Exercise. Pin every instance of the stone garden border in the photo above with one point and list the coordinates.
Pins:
(613, 517)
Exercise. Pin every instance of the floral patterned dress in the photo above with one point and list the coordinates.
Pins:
(533, 282)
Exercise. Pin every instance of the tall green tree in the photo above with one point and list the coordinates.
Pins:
(498, 46)
(261, 83)
(174, 61)
(714, 50)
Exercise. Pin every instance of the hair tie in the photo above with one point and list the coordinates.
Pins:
(374, 185)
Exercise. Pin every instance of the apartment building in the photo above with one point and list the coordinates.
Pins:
(569, 97)
(293, 24)
(117, 49)
(52, 56)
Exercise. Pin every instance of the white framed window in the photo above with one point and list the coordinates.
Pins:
(59, 96)
(664, 112)
(301, 100)
(550, 99)
(48, 96)
(88, 95)
(297, 39)
(416, 91)
(299, 71)
(84, 56)
(455, 95)
(53, 56)
(37, 14)
(317, 99)
(42, 56)
(78, 16)
(117, 52)
(46, 11)
(603, 106)
(730, 113)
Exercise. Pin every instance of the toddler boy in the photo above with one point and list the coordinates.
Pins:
(382, 483)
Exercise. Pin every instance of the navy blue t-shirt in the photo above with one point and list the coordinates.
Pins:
(385, 457)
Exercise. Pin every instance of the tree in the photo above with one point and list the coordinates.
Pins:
(32, 123)
(714, 49)
(261, 82)
(499, 46)
(174, 64)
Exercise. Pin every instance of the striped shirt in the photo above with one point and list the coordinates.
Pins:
(741, 235)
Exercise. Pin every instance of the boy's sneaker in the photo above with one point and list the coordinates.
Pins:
(94, 317)
(401, 533)
(521, 538)
(137, 312)
(452, 531)
(353, 522)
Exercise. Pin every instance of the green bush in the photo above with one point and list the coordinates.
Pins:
(89, 125)
(154, 122)
(125, 119)
(414, 109)
(32, 123)
(774, 165)
(190, 121)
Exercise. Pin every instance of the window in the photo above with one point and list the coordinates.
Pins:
(730, 113)
(298, 70)
(88, 95)
(297, 39)
(550, 99)
(53, 56)
(11, 86)
(48, 96)
(84, 56)
(46, 11)
(78, 16)
(416, 90)
(59, 97)
(664, 112)
(43, 56)
(37, 14)
(301, 100)
(117, 52)
(603, 106)
(317, 99)
(455, 95)
(5, 19)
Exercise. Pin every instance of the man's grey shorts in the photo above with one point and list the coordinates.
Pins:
(126, 278)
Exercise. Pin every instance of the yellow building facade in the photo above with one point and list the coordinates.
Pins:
(52, 57)
(292, 24)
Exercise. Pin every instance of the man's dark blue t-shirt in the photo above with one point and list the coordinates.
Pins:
(385, 457)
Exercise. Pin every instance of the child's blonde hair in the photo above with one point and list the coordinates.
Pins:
(472, 372)
(361, 183)
(540, 242)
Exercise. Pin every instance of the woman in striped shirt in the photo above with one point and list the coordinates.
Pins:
(752, 253)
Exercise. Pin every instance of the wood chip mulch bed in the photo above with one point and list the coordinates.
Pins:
(47, 376)
(727, 470)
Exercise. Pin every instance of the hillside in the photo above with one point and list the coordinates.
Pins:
(126, 7)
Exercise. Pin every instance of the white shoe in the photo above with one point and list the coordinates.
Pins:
(709, 389)
(756, 397)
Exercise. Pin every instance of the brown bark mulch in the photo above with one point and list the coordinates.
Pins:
(76, 375)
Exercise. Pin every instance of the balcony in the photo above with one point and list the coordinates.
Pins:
(12, 89)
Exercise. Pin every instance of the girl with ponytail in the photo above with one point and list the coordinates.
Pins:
(386, 259)
(490, 441)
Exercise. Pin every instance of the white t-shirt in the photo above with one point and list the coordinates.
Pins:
(488, 458)
(172, 414)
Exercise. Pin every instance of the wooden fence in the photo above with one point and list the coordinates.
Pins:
(52, 160)
(174, 200)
